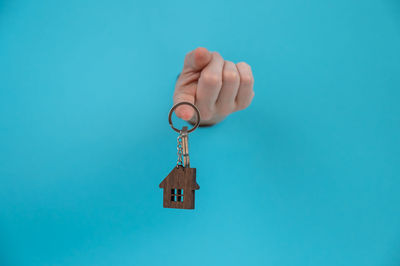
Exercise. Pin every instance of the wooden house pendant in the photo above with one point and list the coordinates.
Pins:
(179, 187)
(180, 184)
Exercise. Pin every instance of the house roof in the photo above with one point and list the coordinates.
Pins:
(181, 177)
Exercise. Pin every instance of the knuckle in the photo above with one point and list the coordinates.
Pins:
(211, 79)
(181, 97)
(243, 64)
(247, 79)
(230, 76)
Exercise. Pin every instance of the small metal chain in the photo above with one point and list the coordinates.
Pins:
(179, 151)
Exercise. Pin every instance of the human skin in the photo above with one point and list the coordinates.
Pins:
(216, 86)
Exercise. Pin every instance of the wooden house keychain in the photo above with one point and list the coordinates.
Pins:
(180, 184)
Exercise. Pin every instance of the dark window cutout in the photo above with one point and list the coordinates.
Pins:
(177, 195)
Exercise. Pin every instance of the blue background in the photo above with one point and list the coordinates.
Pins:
(308, 175)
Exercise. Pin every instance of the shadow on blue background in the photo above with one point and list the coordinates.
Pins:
(308, 175)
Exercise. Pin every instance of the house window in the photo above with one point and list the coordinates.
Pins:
(177, 194)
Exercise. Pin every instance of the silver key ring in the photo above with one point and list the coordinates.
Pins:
(173, 109)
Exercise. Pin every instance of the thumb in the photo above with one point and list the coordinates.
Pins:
(185, 89)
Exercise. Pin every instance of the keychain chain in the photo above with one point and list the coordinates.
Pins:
(179, 151)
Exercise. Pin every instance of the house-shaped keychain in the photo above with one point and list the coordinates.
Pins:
(179, 187)
(180, 184)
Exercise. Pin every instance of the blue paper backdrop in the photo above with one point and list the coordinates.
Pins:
(308, 175)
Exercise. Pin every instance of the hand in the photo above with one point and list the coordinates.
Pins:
(216, 86)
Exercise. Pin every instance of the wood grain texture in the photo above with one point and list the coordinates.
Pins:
(179, 188)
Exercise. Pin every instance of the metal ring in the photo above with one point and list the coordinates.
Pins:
(173, 109)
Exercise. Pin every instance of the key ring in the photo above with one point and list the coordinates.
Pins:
(173, 109)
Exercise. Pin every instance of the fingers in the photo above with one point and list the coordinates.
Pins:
(245, 93)
(209, 86)
(185, 89)
(230, 86)
(217, 87)
(196, 60)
